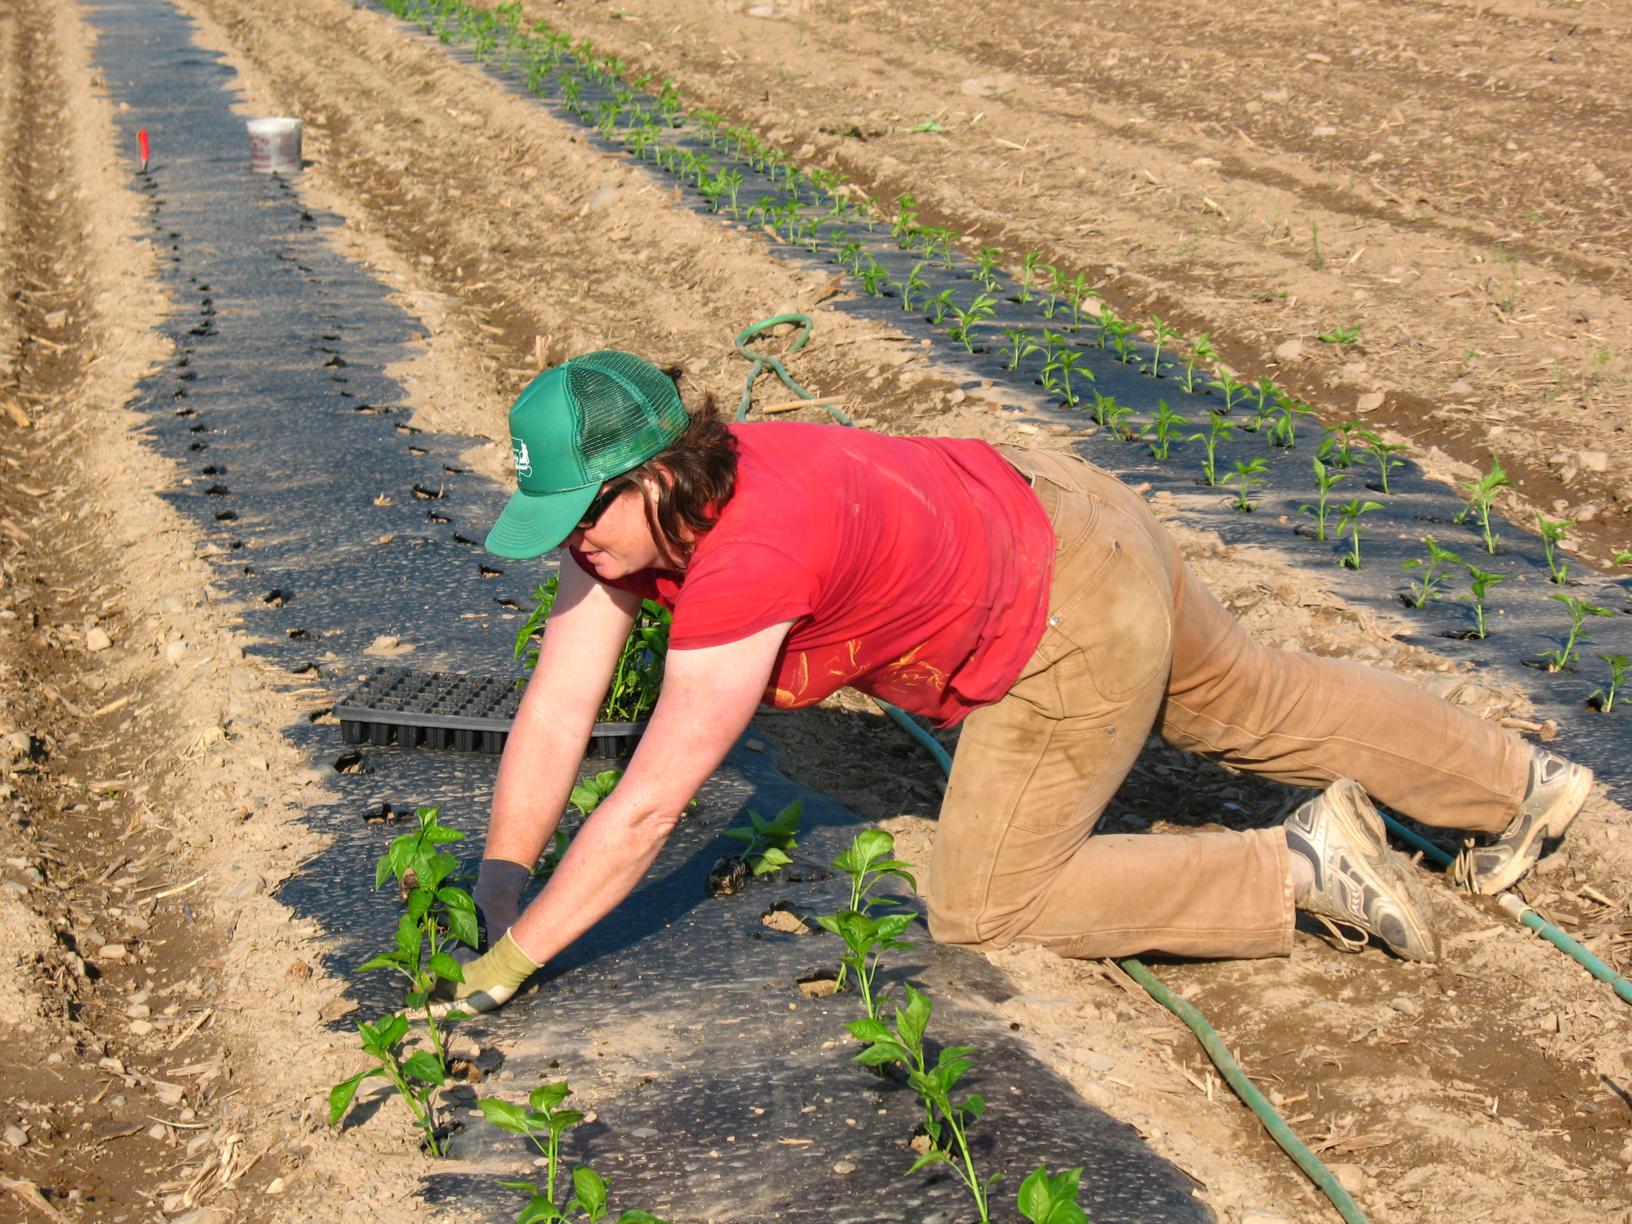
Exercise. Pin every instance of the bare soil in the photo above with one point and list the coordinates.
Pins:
(1451, 179)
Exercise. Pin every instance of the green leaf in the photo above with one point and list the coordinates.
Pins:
(408, 937)
(392, 1030)
(934, 1156)
(883, 1053)
(506, 1117)
(539, 1209)
(589, 1191)
(445, 967)
(975, 1105)
(340, 1096)
(562, 1119)
(772, 860)
(456, 899)
(462, 926)
(527, 1186)
(891, 925)
(870, 1030)
(547, 1097)
(637, 1216)
(386, 960)
(424, 1066)
(913, 1019)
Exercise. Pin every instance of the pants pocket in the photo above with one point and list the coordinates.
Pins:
(1110, 619)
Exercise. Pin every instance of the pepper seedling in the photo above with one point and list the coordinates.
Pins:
(1284, 431)
(1161, 429)
(1383, 453)
(1481, 495)
(1160, 333)
(768, 841)
(986, 268)
(542, 1122)
(1618, 665)
(1218, 430)
(978, 311)
(1232, 389)
(1021, 345)
(1325, 481)
(937, 306)
(1246, 476)
(1063, 363)
(1558, 660)
(1348, 519)
(433, 908)
(866, 939)
(1480, 583)
(946, 1119)
(1435, 573)
(637, 678)
(1552, 533)
(1201, 350)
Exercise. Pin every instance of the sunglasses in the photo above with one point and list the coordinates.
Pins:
(603, 499)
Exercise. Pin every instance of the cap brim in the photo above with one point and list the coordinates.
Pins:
(533, 523)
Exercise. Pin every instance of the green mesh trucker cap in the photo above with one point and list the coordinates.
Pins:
(574, 428)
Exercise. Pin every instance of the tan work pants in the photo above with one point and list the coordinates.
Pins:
(1135, 643)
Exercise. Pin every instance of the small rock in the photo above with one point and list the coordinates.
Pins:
(1264, 1215)
(175, 650)
(112, 952)
(96, 638)
(985, 87)
(601, 198)
(1460, 387)
(15, 1135)
(157, 1131)
(20, 743)
(168, 1093)
(1325, 129)
(1369, 402)
(1587, 511)
(138, 1011)
(140, 1028)
(1406, 1005)
(1593, 460)
(841, 1167)
(1289, 352)
(1351, 1177)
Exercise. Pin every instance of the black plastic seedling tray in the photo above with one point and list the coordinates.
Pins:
(415, 709)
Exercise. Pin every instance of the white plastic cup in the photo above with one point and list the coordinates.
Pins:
(274, 146)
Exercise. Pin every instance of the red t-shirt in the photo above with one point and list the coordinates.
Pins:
(914, 569)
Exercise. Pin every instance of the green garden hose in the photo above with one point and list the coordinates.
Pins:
(763, 360)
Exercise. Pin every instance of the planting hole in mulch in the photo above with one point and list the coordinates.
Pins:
(818, 985)
(782, 917)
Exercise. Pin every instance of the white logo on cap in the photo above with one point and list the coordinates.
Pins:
(524, 462)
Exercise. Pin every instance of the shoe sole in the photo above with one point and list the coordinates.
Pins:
(1362, 826)
(1550, 828)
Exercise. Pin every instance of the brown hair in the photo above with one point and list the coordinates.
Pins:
(690, 481)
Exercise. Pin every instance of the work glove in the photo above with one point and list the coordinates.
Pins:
(499, 884)
(489, 982)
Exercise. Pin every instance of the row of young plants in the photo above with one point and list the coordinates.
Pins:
(736, 172)
(438, 914)
(871, 924)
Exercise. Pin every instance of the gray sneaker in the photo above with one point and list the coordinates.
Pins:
(1554, 798)
(1360, 883)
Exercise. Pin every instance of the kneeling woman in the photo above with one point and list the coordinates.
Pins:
(1030, 597)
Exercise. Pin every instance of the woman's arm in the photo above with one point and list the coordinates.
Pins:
(586, 632)
(708, 697)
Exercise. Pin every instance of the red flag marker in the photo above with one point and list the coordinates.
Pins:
(141, 144)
